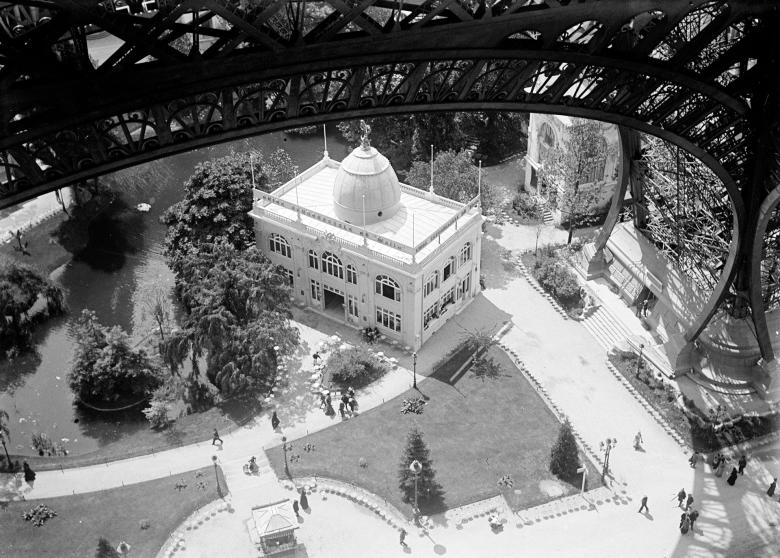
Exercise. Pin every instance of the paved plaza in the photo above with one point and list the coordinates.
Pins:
(735, 521)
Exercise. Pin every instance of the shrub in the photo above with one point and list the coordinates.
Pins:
(355, 366)
(564, 456)
(105, 550)
(527, 208)
(558, 280)
(157, 414)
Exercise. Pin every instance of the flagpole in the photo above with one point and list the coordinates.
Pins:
(252, 168)
(325, 140)
(479, 183)
(431, 187)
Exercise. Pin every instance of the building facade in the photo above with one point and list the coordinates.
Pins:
(548, 130)
(368, 251)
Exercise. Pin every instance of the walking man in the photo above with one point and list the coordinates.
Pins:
(689, 502)
(275, 421)
(402, 538)
(295, 508)
(680, 497)
(742, 464)
(644, 505)
(693, 516)
(638, 441)
(645, 302)
(771, 490)
(215, 438)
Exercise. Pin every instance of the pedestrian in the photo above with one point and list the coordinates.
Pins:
(693, 516)
(742, 464)
(689, 502)
(694, 459)
(685, 523)
(645, 303)
(322, 400)
(721, 467)
(304, 500)
(351, 391)
(275, 421)
(341, 410)
(29, 474)
(215, 438)
(680, 497)
(716, 458)
(345, 400)
(644, 505)
(295, 508)
(352, 405)
(771, 490)
(402, 538)
(638, 441)
(732, 477)
(316, 358)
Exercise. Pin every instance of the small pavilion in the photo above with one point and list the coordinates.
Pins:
(272, 527)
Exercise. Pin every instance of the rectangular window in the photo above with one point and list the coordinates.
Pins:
(448, 270)
(448, 298)
(465, 287)
(288, 275)
(430, 314)
(388, 319)
(316, 292)
(314, 261)
(351, 275)
(352, 306)
(431, 283)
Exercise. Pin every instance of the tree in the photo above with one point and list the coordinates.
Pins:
(571, 163)
(499, 133)
(455, 176)
(157, 304)
(105, 367)
(105, 550)
(238, 311)
(218, 198)
(428, 490)
(21, 287)
(5, 435)
(564, 456)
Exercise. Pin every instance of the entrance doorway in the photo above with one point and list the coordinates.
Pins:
(334, 303)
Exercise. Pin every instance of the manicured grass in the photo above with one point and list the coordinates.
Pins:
(114, 514)
(477, 431)
(189, 429)
(44, 254)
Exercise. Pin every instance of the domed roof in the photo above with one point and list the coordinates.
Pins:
(366, 186)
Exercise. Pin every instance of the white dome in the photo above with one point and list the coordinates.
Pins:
(366, 186)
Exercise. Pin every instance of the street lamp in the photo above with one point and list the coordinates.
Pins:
(216, 474)
(414, 372)
(639, 360)
(416, 468)
(606, 446)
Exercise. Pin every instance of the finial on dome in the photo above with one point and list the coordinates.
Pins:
(365, 129)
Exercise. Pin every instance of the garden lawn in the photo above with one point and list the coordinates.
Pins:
(114, 514)
(477, 431)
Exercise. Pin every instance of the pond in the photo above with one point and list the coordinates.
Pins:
(126, 263)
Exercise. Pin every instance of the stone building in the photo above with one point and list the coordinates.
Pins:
(368, 251)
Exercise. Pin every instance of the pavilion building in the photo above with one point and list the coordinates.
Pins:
(368, 251)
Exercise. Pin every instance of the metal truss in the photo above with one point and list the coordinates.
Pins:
(688, 214)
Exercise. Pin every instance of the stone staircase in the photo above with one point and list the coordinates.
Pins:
(602, 325)
(547, 216)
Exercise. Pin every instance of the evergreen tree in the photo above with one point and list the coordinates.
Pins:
(105, 550)
(428, 490)
(564, 456)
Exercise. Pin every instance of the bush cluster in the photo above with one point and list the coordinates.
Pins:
(527, 208)
(714, 432)
(558, 280)
(354, 367)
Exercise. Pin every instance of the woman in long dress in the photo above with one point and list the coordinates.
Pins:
(720, 468)
(732, 477)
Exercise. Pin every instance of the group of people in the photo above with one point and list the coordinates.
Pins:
(348, 405)
(719, 463)
(689, 515)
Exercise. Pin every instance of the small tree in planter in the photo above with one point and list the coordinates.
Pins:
(564, 456)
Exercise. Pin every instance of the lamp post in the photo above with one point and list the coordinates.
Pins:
(285, 448)
(414, 372)
(416, 468)
(639, 360)
(606, 446)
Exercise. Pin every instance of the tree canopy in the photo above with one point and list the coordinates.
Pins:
(105, 367)
(238, 311)
(218, 198)
(20, 288)
(428, 490)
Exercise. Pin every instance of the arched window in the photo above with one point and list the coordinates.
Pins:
(449, 269)
(465, 254)
(351, 275)
(314, 261)
(332, 265)
(277, 243)
(388, 288)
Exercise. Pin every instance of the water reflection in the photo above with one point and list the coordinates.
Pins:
(122, 262)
